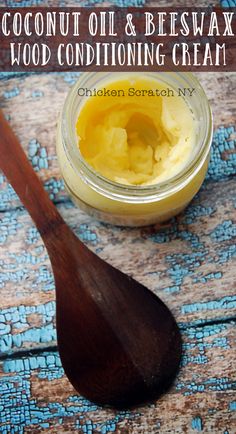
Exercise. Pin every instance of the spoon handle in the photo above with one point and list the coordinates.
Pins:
(18, 170)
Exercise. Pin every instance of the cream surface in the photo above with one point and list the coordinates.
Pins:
(140, 139)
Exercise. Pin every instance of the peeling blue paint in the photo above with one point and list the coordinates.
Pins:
(37, 93)
(7, 196)
(197, 424)
(172, 289)
(18, 406)
(193, 212)
(228, 302)
(8, 94)
(207, 277)
(226, 254)
(9, 225)
(18, 319)
(38, 155)
(197, 345)
(221, 167)
(18, 269)
(87, 235)
(228, 3)
(224, 231)
(106, 427)
(54, 187)
(29, 258)
(232, 406)
(181, 265)
(205, 331)
(71, 77)
(13, 276)
(212, 384)
(32, 236)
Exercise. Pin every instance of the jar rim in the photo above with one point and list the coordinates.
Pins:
(134, 193)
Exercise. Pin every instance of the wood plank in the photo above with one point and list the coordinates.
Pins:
(171, 254)
(189, 262)
(36, 396)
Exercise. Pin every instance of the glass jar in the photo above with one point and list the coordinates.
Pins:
(128, 205)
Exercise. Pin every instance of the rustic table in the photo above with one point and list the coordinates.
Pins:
(189, 262)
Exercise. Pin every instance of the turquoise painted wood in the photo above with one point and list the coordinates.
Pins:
(189, 262)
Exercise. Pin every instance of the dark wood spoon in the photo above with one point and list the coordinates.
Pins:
(119, 344)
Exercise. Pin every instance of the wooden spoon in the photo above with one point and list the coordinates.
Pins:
(119, 344)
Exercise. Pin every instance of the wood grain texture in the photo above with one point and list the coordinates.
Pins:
(189, 262)
(185, 261)
(37, 397)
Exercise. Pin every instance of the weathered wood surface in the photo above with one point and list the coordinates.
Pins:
(38, 396)
(189, 262)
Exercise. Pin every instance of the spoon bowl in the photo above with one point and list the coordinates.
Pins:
(119, 344)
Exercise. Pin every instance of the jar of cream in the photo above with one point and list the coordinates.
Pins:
(133, 148)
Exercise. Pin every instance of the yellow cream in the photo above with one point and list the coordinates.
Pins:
(138, 132)
(134, 140)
